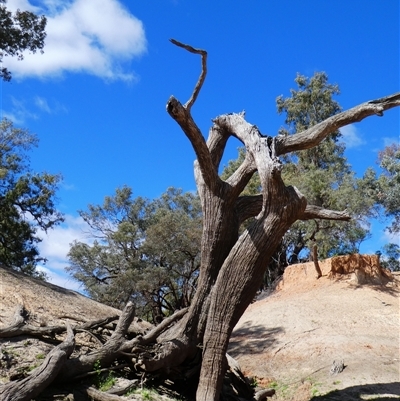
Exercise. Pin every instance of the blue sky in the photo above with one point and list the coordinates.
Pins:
(96, 97)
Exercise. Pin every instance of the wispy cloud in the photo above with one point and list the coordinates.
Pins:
(90, 36)
(351, 136)
(49, 107)
(61, 279)
(42, 104)
(19, 112)
(387, 141)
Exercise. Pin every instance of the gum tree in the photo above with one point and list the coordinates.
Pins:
(232, 263)
(232, 266)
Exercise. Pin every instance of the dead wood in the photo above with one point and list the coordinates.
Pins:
(263, 394)
(97, 395)
(28, 388)
(19, 327)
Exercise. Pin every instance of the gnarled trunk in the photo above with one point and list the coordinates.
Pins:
(232, 266)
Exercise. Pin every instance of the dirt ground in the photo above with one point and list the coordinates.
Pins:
(290, 339)
(287, 340)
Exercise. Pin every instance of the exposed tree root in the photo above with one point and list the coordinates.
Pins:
(120, 354)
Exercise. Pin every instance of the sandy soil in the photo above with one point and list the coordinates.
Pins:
(289, 340)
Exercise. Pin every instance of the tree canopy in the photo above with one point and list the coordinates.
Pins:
(19, 32)
(389, 182)
(27, 201)
(142, 251)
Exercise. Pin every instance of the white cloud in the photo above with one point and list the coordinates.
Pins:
(55, 246)
(42, 104)
(62, 280)
(351, 136)
(56, 242)
(49, 107)
(90, 36)
(391, 237)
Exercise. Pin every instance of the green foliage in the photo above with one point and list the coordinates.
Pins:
(389, 184)
(107, 383)
(21, 31)
(390, 258)
(322, 173)
(103, 383)
(143, 251)
(27, 201)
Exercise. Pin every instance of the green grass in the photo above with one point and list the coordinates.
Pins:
(107, 383)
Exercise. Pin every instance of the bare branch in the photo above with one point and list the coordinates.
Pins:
(216, 142)
(316, 212)
(31, 386)
(240, 178)
(314, 135)
(250, 206)
(192, 131)
(188, 105)
(153, 334)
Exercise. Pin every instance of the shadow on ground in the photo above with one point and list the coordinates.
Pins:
(252, 339)
(376, 392)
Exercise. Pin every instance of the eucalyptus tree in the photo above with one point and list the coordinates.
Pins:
(194, 340)
(389, 184)
(23, 30)
(142, 251)
(27, 201)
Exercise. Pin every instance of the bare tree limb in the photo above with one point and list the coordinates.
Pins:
(316, 212)
(98, 395)
(192, 131)
(188, 105)
(250, 206)
(216, 142)
(240, 178)
(314, 135)
(28, 388)
(19, 327)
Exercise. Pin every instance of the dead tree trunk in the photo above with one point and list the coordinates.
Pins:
(232, 266)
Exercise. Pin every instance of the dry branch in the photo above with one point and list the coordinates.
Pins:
(28, 388)
(203, 73)
(314, 135)
(18, 327)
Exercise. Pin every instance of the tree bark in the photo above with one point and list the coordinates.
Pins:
(232, 267)
(315, 260)
(28, 388)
